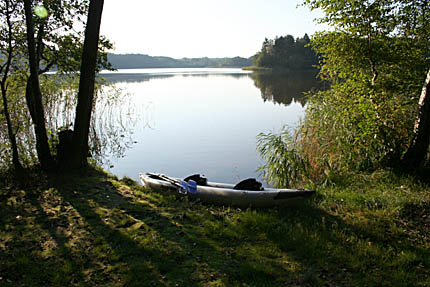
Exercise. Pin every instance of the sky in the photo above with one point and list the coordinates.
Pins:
(202, 28)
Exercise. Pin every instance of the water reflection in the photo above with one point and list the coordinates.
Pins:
(114, 122)
(286, 88)
(181, 122)
(279, 88)
(114, 78)
(203, 121)
(132, 78)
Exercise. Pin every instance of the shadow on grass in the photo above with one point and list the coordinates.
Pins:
(103, 232)
(122, 260)
(302, 245)
(339, 253)
(152, 244)
(33, 250)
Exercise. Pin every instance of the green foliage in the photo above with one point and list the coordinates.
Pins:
(59, 44)
(59, 100)
(286, 53)
(351, 127)
(21, 123)
(376, 64)
(375, 60)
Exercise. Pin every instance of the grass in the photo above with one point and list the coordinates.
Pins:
(96, 230)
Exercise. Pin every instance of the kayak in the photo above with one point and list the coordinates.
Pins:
(226, 194)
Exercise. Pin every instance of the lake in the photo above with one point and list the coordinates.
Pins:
(184, 121)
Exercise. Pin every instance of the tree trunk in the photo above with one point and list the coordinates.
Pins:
(34, 96)
(417, 151)
(15, 156)
(86, 85)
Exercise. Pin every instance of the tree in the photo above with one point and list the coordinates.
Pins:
(34, 95)
(418, 148)
(52, 41)
(52, 28)
(375, 59)
(8, 10)
(86, 85)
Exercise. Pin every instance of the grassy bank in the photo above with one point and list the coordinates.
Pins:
(368, 230)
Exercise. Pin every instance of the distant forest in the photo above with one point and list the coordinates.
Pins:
(283, 53)
(138, 61)
(286, 53)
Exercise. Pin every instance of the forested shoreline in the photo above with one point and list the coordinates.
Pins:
(141, 61)
(284, 53)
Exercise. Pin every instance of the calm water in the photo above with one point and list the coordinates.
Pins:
(185, 121)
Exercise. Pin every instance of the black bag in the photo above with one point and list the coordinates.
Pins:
(249, 184)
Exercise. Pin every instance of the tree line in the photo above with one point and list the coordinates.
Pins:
(286, 53)
(140, 61)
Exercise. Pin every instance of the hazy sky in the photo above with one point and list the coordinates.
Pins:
(199, 28)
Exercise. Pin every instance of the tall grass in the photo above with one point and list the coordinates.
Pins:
(285, 164)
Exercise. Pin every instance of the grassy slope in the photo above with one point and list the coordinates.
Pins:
(96, 230)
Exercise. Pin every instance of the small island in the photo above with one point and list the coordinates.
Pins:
(285, 54)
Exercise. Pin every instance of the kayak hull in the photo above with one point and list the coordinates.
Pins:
(224, 194)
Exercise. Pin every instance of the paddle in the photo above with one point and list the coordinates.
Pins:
(183, 187)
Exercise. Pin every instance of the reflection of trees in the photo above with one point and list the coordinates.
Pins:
(284, 88)
(139, 77)
(211, 74)
(114, 78)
